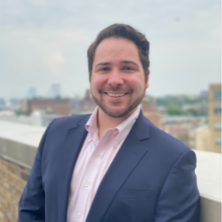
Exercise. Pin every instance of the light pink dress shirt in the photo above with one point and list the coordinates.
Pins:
(94, 160)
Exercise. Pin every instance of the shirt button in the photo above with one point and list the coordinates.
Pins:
(96, 155)
(115, 142)
(86, 184)
(79, 215)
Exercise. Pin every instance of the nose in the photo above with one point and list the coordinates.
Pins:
(115, 78)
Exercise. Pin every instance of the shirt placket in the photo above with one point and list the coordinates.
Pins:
(96, 165)
(88, 180)
(84, 191)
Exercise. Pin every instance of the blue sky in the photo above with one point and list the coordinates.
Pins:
(45, 42)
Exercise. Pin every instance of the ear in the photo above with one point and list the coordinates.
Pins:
(90, 93)
(147, 81)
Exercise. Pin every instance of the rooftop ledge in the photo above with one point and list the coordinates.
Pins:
(18, 143)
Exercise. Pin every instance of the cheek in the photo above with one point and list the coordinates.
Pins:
(137, 84)
(96, 83)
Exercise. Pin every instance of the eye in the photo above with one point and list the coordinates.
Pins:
(104, 69)
(127, 68)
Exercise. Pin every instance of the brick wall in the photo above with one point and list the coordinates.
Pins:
(12, 182)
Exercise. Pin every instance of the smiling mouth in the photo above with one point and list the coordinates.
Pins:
(116, 94)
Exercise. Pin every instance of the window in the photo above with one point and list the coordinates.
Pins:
(217, 110)
(217, 141)
(217, 94)
(217, 125)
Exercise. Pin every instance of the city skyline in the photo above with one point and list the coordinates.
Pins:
(33, 93)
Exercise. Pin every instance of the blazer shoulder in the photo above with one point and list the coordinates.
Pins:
(166, 141)
(69, 121)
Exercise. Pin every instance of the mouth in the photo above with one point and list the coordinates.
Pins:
(116, 95)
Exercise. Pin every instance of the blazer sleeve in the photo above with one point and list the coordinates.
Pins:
(32, 202)
(179, 199)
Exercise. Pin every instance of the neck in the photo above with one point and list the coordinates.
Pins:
(106, 122)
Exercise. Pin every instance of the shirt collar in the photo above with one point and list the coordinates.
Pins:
(125, 127)
(122, 129)
(91, 125)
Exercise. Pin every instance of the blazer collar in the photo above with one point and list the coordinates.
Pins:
(80, 121)
(69, 152)
(141, 127)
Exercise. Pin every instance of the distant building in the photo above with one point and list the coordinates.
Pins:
(150, 110)
(2, 103)
(14, 104)
(180, 126)
(32, 93)
(8, 115)
(41, 118)
(199, 138)
(56, 90)
(214, 114)
(204, 94)
(85, 105)
(37, 118)
(200, 108)
(62, 107)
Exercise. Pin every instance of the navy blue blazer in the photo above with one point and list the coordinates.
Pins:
(151, 179)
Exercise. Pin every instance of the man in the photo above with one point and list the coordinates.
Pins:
(113, 165)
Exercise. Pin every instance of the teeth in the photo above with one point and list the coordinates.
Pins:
(115, 95)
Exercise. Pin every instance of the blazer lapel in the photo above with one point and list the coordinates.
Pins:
(73, 143)
(129, 155)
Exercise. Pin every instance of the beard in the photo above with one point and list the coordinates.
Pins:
(118, 112)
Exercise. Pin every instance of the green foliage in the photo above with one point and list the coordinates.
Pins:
(172, 109)
(174, 105)
(179, 101)
(20, 112)
(192, 112)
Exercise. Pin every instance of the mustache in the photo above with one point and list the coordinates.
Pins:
(116, 88)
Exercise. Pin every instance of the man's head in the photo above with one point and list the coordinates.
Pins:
(122, 31)
(118, 70)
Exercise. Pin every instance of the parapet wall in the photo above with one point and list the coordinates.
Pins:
(17, 152)
(18, 145)
(13, 178)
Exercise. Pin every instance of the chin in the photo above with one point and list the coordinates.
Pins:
(117, 112)
(114, 113)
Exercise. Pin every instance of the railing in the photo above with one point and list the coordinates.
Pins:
(18, 144)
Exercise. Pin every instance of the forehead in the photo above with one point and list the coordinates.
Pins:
(116, 49)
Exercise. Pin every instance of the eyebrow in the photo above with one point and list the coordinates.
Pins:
(129, 62)
(124, 62)
(103, 64)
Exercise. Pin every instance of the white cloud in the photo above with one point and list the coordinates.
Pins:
(52, 45)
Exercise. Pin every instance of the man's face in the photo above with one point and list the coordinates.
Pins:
(117, 81)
